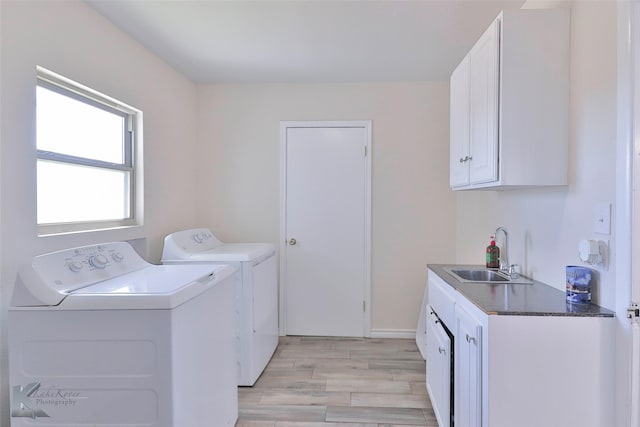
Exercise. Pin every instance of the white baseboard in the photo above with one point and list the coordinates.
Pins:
(393, 333)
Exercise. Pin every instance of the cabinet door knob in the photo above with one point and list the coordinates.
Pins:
(292, 241)
(441, 350)
(471, 339)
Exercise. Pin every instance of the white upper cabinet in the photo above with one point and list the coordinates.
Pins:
(459, 125)
(509, 124)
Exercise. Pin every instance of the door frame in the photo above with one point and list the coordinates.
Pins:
(284, 125)
(627, 230)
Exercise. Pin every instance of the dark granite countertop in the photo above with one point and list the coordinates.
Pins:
(535, 299)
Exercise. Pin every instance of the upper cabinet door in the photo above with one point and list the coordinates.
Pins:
(483, 90)
(459, 125)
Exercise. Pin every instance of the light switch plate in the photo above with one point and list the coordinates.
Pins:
(602, 218)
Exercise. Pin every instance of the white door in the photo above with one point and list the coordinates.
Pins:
(325, 228)
(635, 214)
(483, 89)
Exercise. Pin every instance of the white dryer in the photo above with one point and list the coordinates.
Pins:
(257, 297)
(100, 337)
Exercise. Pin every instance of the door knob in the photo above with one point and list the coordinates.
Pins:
(292, 241)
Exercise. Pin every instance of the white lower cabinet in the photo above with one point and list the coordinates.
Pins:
(468, 369)
(518, 370)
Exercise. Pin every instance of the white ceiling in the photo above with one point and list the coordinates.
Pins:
(306, 41)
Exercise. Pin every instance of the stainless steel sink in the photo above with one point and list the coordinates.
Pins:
(485, 276)
(480, 275)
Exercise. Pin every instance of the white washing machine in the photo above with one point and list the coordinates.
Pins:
(257, 296)
(100, 337)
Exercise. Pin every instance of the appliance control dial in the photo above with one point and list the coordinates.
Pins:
(117, 257)
(75, 266)
(98, 261)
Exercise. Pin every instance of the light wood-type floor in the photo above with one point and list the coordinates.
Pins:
(339, 382)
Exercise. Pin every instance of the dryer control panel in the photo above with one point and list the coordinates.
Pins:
(182, 244)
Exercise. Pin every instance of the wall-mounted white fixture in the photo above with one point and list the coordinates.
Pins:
(602, 218)
(593, 252)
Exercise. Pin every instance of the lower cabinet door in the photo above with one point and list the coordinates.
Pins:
(468, 370)
(438, 369)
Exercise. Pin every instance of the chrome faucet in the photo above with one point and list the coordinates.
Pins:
(505, 267)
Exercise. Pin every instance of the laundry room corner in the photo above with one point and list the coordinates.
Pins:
(75, 41)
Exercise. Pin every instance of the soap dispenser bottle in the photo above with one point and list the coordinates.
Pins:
(493, 254)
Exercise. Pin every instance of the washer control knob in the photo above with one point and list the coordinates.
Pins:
(117, 257)
(75, 266)
(98, 261)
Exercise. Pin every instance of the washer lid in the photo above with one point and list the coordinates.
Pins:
(155, 287)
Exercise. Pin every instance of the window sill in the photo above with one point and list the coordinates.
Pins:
(51, 230)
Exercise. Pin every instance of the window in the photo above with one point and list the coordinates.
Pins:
(86, 166)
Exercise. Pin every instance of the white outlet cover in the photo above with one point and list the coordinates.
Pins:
(602, 218)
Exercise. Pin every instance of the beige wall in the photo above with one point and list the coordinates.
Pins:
(412, 207)
(73, 40)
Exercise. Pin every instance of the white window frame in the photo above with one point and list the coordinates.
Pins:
(132, 153)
